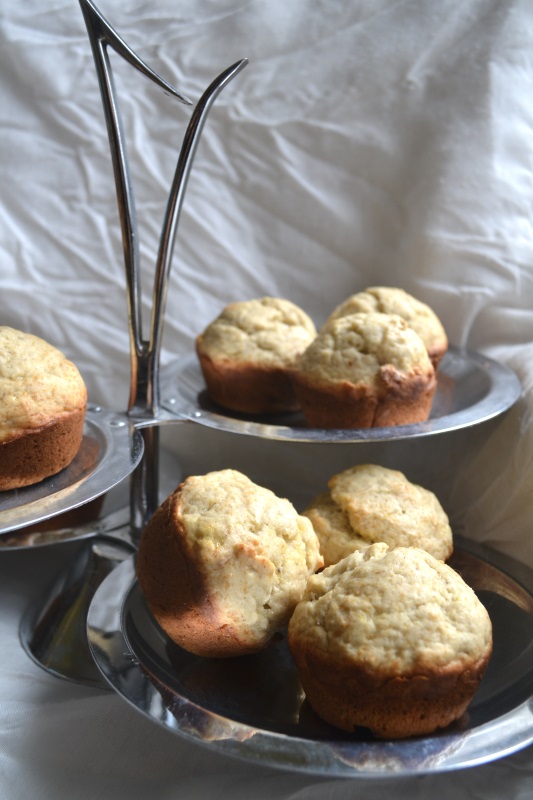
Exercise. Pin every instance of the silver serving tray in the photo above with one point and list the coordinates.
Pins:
(253, 707)
(111, 449)
(471, 389)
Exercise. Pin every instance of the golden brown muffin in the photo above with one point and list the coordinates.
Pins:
(43, 402)
(390, 640)
(368, 504)
(365, 370)
(246, 354)
(223, 562)
(389, 300)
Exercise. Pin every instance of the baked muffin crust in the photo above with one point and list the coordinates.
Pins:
(223, 562)
(382, 505)
(365, 370)
(247, 352)
(392, 640)
(268, 330)
(43, 402)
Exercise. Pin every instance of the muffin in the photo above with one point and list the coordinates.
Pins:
(43, 402)
(389, 300)
(369, 503)
(223, 562)
(365, 370)
(393, 641)
(247, 353)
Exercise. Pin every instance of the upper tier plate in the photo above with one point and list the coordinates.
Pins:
(110, 451)
(471, 389)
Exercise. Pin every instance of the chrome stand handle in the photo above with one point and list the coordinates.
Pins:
(101, 35)
(144, 402)
(144, 394)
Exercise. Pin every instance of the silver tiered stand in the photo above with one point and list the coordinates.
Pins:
(115, 445)
(93, 626)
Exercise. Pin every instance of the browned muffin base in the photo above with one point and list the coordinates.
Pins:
(349, 696)
(436, 354)
(176, 591)
(248, 389)
(41, 453)
(347, 405)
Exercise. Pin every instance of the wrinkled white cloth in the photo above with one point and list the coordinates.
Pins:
(374, 142)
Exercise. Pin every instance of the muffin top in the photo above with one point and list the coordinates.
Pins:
(37, 384)
(396, 611)
(254, 549)
(389, 300)
(366, 348)
(382, 505)
(269, 331)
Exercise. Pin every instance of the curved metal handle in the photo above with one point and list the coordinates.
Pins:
(145, 355)
(102, 34)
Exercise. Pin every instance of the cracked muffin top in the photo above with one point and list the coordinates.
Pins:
(223, 562)
(382, 505)
(253, 546)
(360, 348)
(395, 610)
(269, 330)
(389, 300)
(332, 526)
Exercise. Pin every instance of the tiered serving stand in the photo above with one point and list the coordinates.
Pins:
(93, 625)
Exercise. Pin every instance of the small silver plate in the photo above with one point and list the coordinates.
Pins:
(111, 449)
(253, 707)
(471, 389)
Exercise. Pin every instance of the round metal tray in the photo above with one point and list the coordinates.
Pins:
(111, 449)
(253, 707)
(471, 389)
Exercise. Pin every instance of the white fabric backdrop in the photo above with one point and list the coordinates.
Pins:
(371, 142)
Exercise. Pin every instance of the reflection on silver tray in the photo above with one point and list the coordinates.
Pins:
(110, 451)
(471, 389)
(253, 707)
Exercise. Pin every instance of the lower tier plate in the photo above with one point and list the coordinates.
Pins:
(253, 707)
